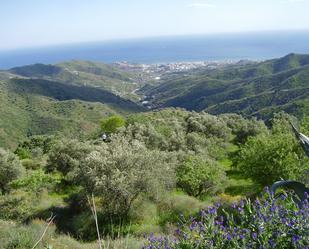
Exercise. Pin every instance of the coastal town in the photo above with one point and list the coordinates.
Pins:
(156, 71)
(155, 74)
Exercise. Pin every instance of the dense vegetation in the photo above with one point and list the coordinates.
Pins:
(168, 178)
(265, 223)
(151, 168)
(67, 97)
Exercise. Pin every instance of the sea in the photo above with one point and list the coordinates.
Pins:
(215, 47)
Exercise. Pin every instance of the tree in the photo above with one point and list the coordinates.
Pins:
(200, 175)
(35, 146)
(10, 169)
(209, 125)
(66, 155)
(113, 123)
(244, 128)
(120, 171)
(268, 158)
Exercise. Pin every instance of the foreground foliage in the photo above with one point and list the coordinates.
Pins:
(266, 223)
(157, 165)
(10, 169)
(267, 158)
(198, 176)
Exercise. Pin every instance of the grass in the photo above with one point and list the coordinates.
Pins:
(237, 186)
(17, 236)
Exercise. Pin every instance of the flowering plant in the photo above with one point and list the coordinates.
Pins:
(267, 222)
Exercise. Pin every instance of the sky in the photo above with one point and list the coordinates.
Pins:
(32, 23)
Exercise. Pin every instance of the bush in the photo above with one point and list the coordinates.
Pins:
(171, 205)
(10, 169)
(244, 128)
(19, 236)
(31, 164)
(113, 123)
(267, 159)
(66, 155)
(200, 175)
(209, 125)
(36, 181)
(17, 205)
(35, 146)
(266, 223)
(120, 171)
(23, 153)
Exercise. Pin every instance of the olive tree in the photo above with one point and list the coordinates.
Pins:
(243, 128)
(209, 125)
(66, 155)
(121, 170)
(10, 169)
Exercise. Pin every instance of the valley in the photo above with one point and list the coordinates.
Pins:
(41, 92)
(148, 145)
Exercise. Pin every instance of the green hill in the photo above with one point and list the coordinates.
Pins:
(83, 73)
(36, 106)
(73, 96)
(254, 89)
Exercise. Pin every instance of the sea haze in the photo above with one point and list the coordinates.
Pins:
(255, 46)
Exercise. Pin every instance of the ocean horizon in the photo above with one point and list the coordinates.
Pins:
(215, 47)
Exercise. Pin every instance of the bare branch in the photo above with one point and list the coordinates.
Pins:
(51, 219)
(95, 216)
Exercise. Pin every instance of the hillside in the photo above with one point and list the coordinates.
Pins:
(254, 89)
(83, 73)
(75, 95)
(35, 106)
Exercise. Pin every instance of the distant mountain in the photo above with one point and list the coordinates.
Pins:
(34, 105)
(253, 89)
(71, 97)
(83, 73)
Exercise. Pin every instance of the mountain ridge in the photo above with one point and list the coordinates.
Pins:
(213, 90)
(34, 105)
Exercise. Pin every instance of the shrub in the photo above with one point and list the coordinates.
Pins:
(10, 169)
(179, 130)
(17, 205)
(244, 128)
(267, 159)
(199, 175)
(31, 164)
(265, 223)
(171, 205)
(23, 153)
(113, 123)
(66, 155)
(36, 181)
(17, 236)
(35, 146)
(121, 170)
(209, 125)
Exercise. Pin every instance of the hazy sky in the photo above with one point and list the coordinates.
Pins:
(25, 23)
